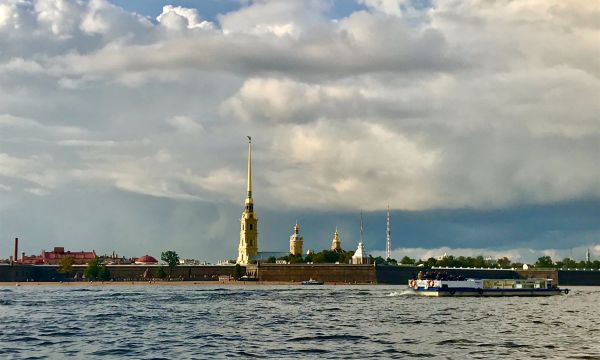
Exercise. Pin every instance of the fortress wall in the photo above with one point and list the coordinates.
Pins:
(540, 274)
(118, 272)
(332, 273)
(22, 273)
(187, 272)
(579, 277)
(401, 274)
(398, 275)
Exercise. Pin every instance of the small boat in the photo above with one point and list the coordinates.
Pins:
(485, 287)
(248, 278)
(312, 282)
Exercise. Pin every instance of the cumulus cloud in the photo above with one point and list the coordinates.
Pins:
(286, 18)
(179, 18)
(472, 104)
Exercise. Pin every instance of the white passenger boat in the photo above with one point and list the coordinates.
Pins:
(485, 287)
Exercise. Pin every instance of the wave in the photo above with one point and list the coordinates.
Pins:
(402, 293)
(329, 337)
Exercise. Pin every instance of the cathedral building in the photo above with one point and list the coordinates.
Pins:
(248, 246)
(296, 241)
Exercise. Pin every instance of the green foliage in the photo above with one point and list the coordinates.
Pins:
(103, 273)
(567, 263)
(237, 272)
(462, 261)
(391, 261)
(446, 261)
(271, 260)
(504, 263)
(92, 269)
(431, 262)
(378, 260)
(161, 273)
(66, 265)
(407, 261)
(345, 256)
(292, 259)
(330, 257)
(171, 258)
(544, 262)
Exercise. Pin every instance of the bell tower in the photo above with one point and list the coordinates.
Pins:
(248, 246)
(296, 241)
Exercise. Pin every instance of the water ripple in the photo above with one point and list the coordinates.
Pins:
(191, 322)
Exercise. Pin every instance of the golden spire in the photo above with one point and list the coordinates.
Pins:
(249, 167)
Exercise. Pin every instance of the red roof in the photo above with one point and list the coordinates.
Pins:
(146, 259)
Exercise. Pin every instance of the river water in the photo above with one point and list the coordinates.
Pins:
(289, 322)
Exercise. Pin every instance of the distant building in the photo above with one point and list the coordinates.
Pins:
(146, 260)
(56, 255)
(336, 243)
(587, 255)
(296, 241)
(248, 245)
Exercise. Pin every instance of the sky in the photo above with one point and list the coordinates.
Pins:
(123, 124)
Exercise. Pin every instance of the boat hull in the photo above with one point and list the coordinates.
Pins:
(486, 292)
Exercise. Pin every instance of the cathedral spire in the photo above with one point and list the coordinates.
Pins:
(248, 246)
(249, 167)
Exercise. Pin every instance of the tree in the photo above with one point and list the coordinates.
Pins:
(92, 269)
(544, 262)
(161, 273)
(378, 260)
(171, 258)
(479, 262)
(65, 265)
(431, 262)
(446, 261)
(504, 262)
(407, 261)
(271, 260)
(237, 272)
(103, 273)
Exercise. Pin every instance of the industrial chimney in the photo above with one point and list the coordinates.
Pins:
(15, 256)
